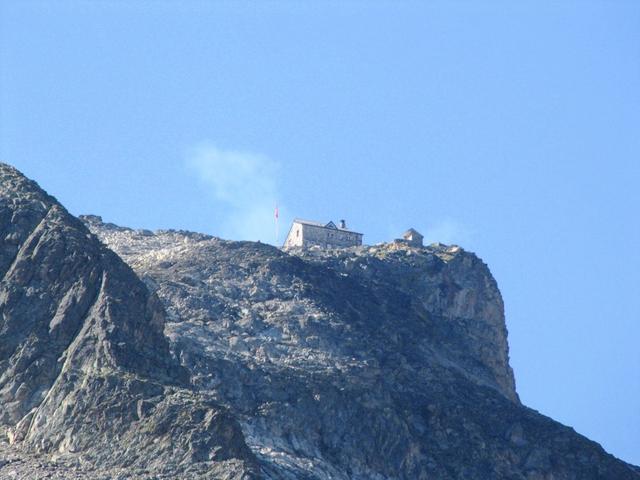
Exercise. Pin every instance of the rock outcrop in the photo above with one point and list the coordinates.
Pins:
(84, 364)
(185, 356)
(384, 362)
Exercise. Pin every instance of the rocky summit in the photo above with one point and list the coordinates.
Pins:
(154, 355)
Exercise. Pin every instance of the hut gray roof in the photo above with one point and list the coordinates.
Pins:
(323, 225)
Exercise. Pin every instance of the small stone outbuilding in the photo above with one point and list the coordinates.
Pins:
(413, 238)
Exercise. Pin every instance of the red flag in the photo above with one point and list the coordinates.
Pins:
(276, 212)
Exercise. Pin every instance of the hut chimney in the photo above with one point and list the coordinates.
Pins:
(343, 224)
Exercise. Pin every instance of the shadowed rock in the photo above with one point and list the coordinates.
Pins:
(84, 364)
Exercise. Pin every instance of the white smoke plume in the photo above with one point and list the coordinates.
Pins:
(246, 184)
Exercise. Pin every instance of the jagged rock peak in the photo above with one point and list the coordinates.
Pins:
(83, 357)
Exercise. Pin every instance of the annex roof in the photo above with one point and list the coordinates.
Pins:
(411, 231)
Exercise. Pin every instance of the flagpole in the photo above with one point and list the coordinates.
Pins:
(276, 214)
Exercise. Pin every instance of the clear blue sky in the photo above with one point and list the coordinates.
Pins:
(511, 128)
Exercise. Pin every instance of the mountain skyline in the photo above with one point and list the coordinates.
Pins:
(510, 129)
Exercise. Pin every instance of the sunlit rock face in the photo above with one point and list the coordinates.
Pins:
(136, 354)
(378, 362)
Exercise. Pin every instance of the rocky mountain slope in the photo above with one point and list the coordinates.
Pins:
(84, 364)
(382, 362)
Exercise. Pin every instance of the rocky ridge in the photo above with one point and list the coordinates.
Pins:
(383, 362)
(372, 362)
(84, 365)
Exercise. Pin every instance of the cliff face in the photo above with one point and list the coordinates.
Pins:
(84, 364)
(380, 362)
(369, 363)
